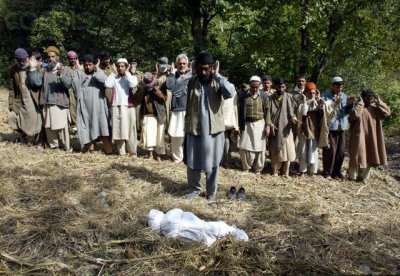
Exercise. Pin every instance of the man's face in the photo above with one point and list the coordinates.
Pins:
(121, 68)
(336, 88)
(133, 64)
(72, 61)
(254, 86)
(267, 84)
(105, 61)
(22, 63)
(52, 56)
(204, 70)
(88, 67)
(280, 88)
(310, 94)
(182, 65)
(301, 82)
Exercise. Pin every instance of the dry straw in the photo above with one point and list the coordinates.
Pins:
(85, 214)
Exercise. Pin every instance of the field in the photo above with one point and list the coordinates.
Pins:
(86, 214)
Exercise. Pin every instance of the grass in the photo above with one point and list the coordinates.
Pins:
(86, 214)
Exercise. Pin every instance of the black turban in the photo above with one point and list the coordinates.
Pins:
(204, 58)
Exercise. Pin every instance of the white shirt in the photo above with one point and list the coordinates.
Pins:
(122, 86)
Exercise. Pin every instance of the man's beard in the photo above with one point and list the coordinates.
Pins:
(205, 79)
(51, 66)
(22, 67)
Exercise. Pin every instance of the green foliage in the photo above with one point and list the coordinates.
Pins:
(355, 39)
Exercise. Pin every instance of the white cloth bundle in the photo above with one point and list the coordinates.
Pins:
(177, 223)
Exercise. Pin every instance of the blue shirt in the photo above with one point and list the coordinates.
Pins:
(339, 121)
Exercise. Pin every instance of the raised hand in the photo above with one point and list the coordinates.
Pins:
(97, 66)
(32, 62)
(351, 100)
(79, 65)
(317, 94)
(216, 67)
(173, 69)
(156, 68)
(338, 101)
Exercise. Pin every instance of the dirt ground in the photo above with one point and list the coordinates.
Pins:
(86, 214)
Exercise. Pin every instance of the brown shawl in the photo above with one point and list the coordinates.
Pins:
(282, 113)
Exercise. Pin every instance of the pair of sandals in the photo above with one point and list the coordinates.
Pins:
(233, 193)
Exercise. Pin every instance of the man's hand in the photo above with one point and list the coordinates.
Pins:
(297, 122)
(317, 95)
(97, 66)
(351, 100)
(32, 63)
(216, 67)
(79, 65)
(338, 101)
(273, 130)
(156, 68)
(173, 69)
(267, 131)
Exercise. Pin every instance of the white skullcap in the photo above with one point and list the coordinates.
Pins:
(337, 80)
(122, 60)
(255, 78)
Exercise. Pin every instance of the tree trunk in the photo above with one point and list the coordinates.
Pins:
(196, 28)
(304, 49)
(335, 24)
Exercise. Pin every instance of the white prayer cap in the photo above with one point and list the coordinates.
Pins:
(122, 60)
(337, 80)
(255, 78)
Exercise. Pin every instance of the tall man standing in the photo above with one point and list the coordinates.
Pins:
(367, 142)
(177, 82)
(123, 110)
(253, 116)
(25, 116)
(333, 155)
(281, 141)
(93, 117)
(204, 125)
(53, 98)
(71, 70)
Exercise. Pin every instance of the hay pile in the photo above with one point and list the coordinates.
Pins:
(86, 214)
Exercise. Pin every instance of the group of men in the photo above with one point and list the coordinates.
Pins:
(200, 111)
(294, 125)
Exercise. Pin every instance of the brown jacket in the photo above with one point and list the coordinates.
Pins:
(149, 100)
(367, 142)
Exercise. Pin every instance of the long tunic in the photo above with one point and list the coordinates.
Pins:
(25, 115)
(205, 151)
(122, 117)
(93, 116)
(282, 113)
(367, 142)
(307, 148)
